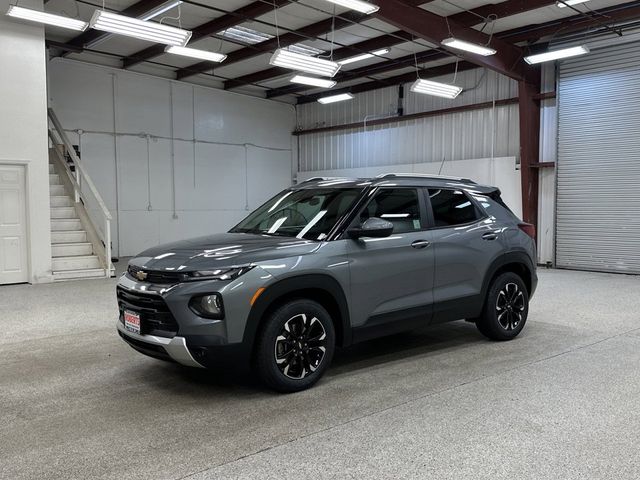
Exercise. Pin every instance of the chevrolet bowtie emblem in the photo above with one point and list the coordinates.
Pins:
(141, 275)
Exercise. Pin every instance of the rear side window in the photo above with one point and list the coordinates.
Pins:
(399, 206)
(495, 207)
(452, 207)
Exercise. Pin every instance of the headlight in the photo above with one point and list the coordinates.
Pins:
(209, 306)
(219, 274)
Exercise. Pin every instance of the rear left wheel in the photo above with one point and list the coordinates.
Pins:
(295, 346)
(506, 308)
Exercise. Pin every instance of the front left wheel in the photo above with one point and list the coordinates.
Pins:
(295, 346)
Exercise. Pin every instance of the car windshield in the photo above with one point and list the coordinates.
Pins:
(306, 213)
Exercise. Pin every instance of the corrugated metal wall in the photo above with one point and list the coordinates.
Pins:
(598, 200)
(466, 135)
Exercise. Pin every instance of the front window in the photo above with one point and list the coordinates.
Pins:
(308, 214)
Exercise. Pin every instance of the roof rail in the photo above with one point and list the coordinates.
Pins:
(424, 175)
(316, 179)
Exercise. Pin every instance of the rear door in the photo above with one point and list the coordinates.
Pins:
(466, 241)
(392, 278)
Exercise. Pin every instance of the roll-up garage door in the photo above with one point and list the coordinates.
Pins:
(598, 199)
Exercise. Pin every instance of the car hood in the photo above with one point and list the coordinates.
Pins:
(221, 250)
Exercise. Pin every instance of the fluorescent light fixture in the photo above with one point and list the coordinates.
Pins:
(304, 49)
(144, 30)
(557, 54)
(195, 53)
(364, 56)
(468, 46)
(245, 35)
(314, 82)
(335, 98)
(46, 18)
(437, 89)
(568, 3)
(295, 61)
(357, 5)
(160, 9)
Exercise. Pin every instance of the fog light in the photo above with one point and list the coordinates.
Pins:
(209, 306)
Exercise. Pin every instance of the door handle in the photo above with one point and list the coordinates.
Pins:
(490, 236)
(420, 244)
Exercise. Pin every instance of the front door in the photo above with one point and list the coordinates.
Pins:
(392, 277)
(13, 229)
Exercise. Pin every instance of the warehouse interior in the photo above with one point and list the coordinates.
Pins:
(111, 143)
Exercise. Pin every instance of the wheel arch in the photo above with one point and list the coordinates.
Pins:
(323, 289)
(516, 262)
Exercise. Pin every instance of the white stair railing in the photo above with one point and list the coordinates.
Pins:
(79, 178)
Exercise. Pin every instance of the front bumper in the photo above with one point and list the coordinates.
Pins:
(160, 347)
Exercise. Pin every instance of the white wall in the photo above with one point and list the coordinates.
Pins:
(185, 160)
(466, 135)
(23, 127)
(501, 172)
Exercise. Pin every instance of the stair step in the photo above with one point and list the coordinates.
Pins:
(52, 169)
(54, 179)
(71, 249)
(61, 276)
(75, 263)
(63, 212)
(61, 201)
(61, 225)
(72, 236)
(55, 190)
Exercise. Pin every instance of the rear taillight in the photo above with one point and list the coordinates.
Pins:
(528, 229)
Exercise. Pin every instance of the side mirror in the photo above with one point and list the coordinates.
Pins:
(373, 227)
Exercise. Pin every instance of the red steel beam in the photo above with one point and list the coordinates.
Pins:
(433, 28)
(468, 19)
(313, 30)
(211, 27)
(529, 114)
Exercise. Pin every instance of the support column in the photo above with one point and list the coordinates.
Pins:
(529, 146)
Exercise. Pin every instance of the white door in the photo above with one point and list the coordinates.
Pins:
(13, 225)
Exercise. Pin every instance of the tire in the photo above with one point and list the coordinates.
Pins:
(506, 308)
(295, 346)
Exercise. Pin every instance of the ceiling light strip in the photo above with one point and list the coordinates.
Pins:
(195, 53)
(314, 82)
(557, 54)
(468, 46)
(335, 98)
(437, 89)
(295, 61)
(357, 5)
(364, 56)
(46, 18)
(144, 30)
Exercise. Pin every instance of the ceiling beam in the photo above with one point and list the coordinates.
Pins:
(576, 23)
(209, 28)
(314, 30)
(467, 19)
(136, 10)
(433, 28)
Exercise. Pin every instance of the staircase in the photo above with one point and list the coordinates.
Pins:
(80, 220)
(72, 254)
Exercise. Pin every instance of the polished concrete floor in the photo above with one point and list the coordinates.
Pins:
(561, 401)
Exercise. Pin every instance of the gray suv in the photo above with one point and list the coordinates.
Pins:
(330, 262)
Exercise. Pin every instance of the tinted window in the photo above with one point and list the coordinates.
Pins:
(399, 206)
(305, 213)
(495, 208)
(451, 207)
